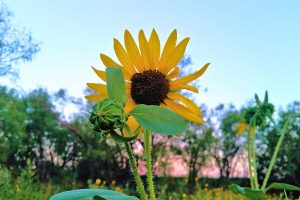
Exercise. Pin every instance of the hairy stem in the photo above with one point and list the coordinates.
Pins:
(251, 152)
(254, 162)
(249, 160)
(134, 169)
(148, 162)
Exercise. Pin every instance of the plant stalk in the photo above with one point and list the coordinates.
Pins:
(134, 169)
(254, 162)
(251, 153)
(148, 163)
(249, 160)
(273, 160)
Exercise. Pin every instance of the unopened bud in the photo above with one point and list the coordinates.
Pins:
(107, 115)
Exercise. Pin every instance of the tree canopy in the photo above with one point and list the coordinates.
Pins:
(16, 43)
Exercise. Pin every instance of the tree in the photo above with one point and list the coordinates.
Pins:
(12, 128)
(197, 151)
(228, 117)
(16, 44)
(31, 129)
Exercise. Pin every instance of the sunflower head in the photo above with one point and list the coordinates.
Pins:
(107, 115)
(149, 87)
(151, 75)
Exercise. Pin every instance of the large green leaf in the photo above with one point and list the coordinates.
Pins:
(91, 194)
(116, 84)
(159, 120)
(253, 194)
(282, 186)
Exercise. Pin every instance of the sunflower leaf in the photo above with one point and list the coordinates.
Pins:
(253, 194)
(90, 194)
(116, 84)
(159, 120)
(282, 186)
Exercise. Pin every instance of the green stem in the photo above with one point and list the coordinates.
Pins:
(251, 153)
(134, 169)
(249, 161)
(148, 163)
(275, 154)
(254, 162)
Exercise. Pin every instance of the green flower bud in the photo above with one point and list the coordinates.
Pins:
(250, 112)
(107, 115)
(267, 108)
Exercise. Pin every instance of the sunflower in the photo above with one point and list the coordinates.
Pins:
(151, 76)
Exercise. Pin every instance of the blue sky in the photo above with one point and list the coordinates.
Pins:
(252, 46)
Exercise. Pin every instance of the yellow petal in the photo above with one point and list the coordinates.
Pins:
(133, 51)
(128, 88)
(96, 97)
(163, 105)
(129, 106)
(181, 87)
(128, 97)
(107, 61)
(145, 51)
(154, 45)
(183, 111)
(132, 124)
(252, 130)
(175, 56)
(100, 73)
(100, 88)
(168, 48)
(174, 73)
(186, 101)
(124, 58)
(241, 127)
(140, 133)
(190, 77)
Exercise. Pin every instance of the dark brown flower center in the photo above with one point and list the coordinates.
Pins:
(150, 87)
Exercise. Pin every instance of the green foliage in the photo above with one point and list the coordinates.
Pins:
(259, 194)
(23, 187)
(53, 146)
(199, 140)
(12, 126)
(26, 188)
(282, 186)
(286, 168)
(105, 160)
(159, 120)
(257, 115)
(57, 147)
(229, 143)
(251, 194)
(5, 183)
